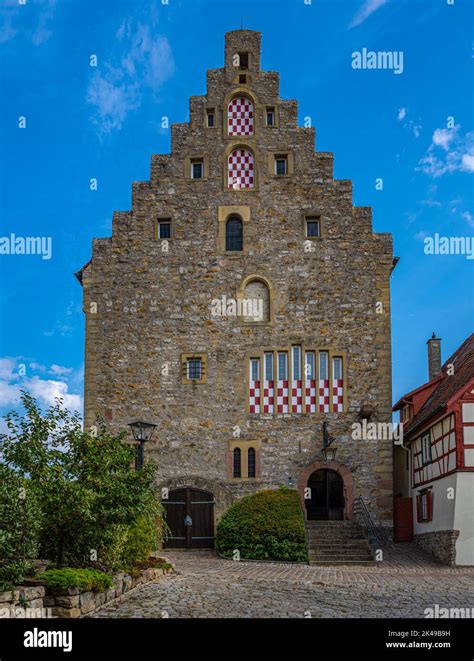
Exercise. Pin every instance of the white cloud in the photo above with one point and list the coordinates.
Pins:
(366, 10)
(145, 64)
(410, 124)
(45, 390)
(468, 217)
(59, 370)
(34, 17)
(448, 152)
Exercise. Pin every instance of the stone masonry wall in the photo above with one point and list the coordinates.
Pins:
(144, 307)
(441, 544)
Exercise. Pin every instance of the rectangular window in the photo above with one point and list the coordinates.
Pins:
(296, 363)
(323, 366)
(268, 367)
(426, 448)
(244, 60)
(164, 229)
(255, 369)
(281, 165)
(283, 366)
(270, 120)
(425, 506)
(337, 368)
(197, 170)
(210, 118)
(312, 227)
(194, 369)
(310, 367)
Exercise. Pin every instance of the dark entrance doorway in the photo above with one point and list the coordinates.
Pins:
(190, 517)
(327, 496)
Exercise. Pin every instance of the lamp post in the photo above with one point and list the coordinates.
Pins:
(328, 454)
(142, 433)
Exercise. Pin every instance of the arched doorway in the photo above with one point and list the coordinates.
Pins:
(326, 501)
(189, 514)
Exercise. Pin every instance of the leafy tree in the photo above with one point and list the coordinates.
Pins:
(85, 483)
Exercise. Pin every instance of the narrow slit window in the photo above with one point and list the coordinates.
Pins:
(251, 463)
(296, 364)
(237, 462)
(269, 366)
(323, 366)
(210, 119)
(255, 369)
(310, 374)
(310, 371)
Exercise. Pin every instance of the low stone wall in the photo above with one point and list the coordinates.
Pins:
(15, 603)
(441, 544)
(72, 602)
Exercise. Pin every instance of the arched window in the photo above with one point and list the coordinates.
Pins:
(256, 303)
(241, 169)
(240, 116)
(234, 234)
(251, 462)
(237, 463)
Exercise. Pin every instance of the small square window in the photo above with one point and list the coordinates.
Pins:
(197, 168)
(194, 369)
(210, 119)
(312, 227)
(244, 60)
(243, 80)
(270, 120)
(281, 165)
(164, 229)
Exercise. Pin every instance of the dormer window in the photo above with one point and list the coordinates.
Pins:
(405, 413)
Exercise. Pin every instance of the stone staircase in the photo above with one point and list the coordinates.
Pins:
(337, 543)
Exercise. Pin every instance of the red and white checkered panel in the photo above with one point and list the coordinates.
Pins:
(297, 396)
(254, 397)
(337, 395)
(268, 396)
(282, 396)
(311, 396)
(241, 169)
(240, 117)
(324, 395)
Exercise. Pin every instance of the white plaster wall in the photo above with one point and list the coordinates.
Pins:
(464, 519)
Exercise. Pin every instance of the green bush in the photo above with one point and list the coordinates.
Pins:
(267, 525)
(89, 495)
(19, 527)
(84, 579)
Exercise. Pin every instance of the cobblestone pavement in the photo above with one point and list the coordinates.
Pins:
(205, 585)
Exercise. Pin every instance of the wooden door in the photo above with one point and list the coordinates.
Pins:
(190, 517)
(402, 519)
(327, 499)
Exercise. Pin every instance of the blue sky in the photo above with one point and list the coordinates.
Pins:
(104, 122)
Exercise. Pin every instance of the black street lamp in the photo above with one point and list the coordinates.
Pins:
(142, 433)
(328, 454)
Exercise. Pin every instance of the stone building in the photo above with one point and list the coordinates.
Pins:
(240, 303)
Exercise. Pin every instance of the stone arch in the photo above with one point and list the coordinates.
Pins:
(222, 496)
(257, 287)
(338, 467)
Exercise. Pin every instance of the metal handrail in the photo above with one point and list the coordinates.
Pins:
(361, 512)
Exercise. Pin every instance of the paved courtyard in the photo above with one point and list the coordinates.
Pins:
(205, 585)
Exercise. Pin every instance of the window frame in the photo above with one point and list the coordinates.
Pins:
(163, 223)
(312, 220)
(185, 379)
(426, 458)
(211, 112)
(195, 162)
(231, 218)
(283, 158)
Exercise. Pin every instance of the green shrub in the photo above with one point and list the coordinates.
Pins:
(84, 579)
(142, 540)
(267, 525)
(19, 527)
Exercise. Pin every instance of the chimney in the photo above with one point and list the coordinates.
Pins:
(434, 357)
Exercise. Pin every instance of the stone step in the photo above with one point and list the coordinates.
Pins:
(353, 544)
(340, 563)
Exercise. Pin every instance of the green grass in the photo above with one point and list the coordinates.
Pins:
(84, 579)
